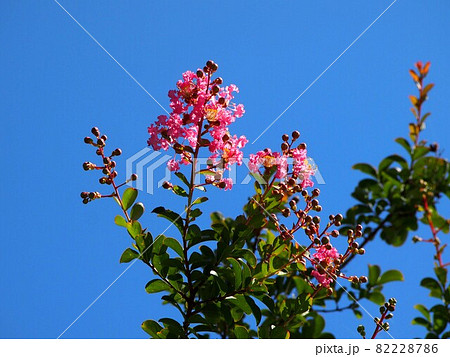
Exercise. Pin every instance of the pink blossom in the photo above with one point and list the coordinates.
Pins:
(194, 109)
(173, 165)
(282, 167)
(239, 111)
(323, 279)
(228, 183)
(327, 255)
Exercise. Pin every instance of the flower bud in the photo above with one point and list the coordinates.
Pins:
(95, 131)
(338, 218)
(335, 233)
(88, 140)
(295, 135)
(284, 146)
(285, 137)
(133, 177)
(325, 240)
(116, 152)
(302, 146)
(84, 194)
(200, 73)
(167, 185)
(363, 279)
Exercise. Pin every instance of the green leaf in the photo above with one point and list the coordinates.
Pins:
(240, 302)
(155, 286)
(182, 178)
(255, 309)
(366, 168)
(279, 332)
(134, 228)
(420, 151)
(358, 314)
(241, 332)
(175, 329)
(144, 242)
(152, 328)
(421, 321)
(374, 274)
(377, 297)
(423, 310)
(137, 211)
(120, 221)
(196, 213)
(199, 200)
(441, 274)
(247, 255)
(173, 217)
(432, 285)
(175, 245)
(236, 272)
(404, 143)
(391, 275)
(128, 197)
(386, 162)
(178, 190)
(128, 255)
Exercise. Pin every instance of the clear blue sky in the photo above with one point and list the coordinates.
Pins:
(58, 255)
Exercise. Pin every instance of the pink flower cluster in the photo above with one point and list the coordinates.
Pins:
(300, 166)
(202, 111)
(325, 258)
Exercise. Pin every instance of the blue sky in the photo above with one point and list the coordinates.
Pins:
(58, 255)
